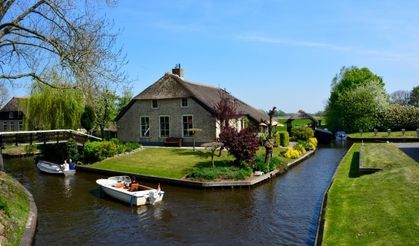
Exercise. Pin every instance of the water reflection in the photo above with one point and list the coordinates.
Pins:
(283, 211)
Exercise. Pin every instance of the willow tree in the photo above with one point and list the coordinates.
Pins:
(49, 108)
(36, 35)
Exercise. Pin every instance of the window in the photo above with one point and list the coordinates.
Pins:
(20, 125)
(5, 126)
(154, 104)
(187, 123)
(145, 126)
(12, 126)
(164, 126)
(10, 115)
(184, 102)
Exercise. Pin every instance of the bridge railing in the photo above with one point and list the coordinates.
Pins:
(46, 136)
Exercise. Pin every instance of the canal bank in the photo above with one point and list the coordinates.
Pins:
(252, 181)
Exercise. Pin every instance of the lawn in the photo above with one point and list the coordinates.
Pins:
(399, 134)
(375, 209)
(170, 162)
(162, 162)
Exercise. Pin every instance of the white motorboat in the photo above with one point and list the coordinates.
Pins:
(53, 168)
(119, 187)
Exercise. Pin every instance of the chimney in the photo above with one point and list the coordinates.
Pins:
(178, 70)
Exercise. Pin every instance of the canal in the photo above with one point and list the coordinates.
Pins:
(284, 211)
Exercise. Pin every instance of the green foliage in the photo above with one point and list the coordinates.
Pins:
(260, 165)
(414, 97)
(105, 109)
(302, 133)
(276, 139)
(242, 145)
(312, 144)
(357, 98)
(51, 108)
(88, 118)
(284, 138)
(301, 147)
(30, 149)
(399, 117)
(292, 153)
(220, 173)
(98, 151)
(72, 150)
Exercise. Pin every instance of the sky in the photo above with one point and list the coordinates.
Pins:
(271, 52)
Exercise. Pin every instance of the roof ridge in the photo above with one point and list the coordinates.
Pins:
(193, 82)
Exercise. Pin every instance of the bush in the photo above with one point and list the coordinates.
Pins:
(301, 147)
(72, 150)
(284, 139)
(292, 153)
(242, 145)
(400, 117)
(302, 133)
(260, 165)
(210, 173)
(312, 143)
(275, 163)
(97, 151)
(30, 149)
(276, 139)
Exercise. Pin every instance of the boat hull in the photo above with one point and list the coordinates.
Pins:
(147, 196)
(53, 168)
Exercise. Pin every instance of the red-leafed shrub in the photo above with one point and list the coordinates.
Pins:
(242, 145)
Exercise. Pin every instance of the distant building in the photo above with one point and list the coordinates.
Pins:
(171, 106)
(11, 115)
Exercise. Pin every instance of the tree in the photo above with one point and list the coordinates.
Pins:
(36, 35)
(349, 79)
(105, 110)
(88, 118)
(125, 98)
(361, 107)
(269, 144)
(49, 108)
(400, 97)
(225, 110)
(242, 145)
(414, 97)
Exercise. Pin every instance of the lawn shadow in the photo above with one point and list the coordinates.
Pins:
(354, 170)
(198, 153)
(219, 163)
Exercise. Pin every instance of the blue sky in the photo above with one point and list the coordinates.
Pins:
(269, 53)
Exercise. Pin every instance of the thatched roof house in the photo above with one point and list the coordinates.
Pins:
(172, 105)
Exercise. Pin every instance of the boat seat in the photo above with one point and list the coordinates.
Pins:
(134, 187)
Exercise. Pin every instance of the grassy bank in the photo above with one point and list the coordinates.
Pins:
(407, 134)
(375, 209)
(14, 210)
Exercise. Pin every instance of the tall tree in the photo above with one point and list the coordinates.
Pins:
(105, 110)
(414, 96)
(346, 81)
(400, 97)
(125, 98)
(225, 110)
(38, 34)
(88, 118)
(49, 108)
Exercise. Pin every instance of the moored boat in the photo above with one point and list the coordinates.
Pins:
(53, 168)
(119, 187)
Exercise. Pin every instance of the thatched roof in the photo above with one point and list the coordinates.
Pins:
(172, 86)
(302, 115)
(15, 104)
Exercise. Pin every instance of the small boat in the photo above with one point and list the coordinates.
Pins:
(341, 135)
(118, 187)
(53, 168)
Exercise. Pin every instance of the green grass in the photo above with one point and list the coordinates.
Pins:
(14, 209)
(407, 134)
(162, 162)
(375, 209)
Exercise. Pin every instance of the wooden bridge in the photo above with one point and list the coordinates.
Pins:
(42, 137)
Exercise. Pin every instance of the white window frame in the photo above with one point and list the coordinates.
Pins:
(141, 127)
(160, 129)
(187, 102)
(183, 128)
(152, 106)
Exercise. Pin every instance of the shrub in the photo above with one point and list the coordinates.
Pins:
(260, 165)
(302, 133)
(292, 153)
(400, 116)
(284, 139)
(30, 149)
(275, 163)
(312, 143)
(72, 150)
(210, 173)
(97, 151)
(242, 145)
(276, 139)
(130, 146)
(300, 147)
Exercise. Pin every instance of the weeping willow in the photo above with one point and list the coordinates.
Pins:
(51, 108)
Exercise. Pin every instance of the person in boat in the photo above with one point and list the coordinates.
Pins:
(72, 165)
(65, 166)
(133, 186)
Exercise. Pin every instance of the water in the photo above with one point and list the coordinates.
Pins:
(284, 211)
